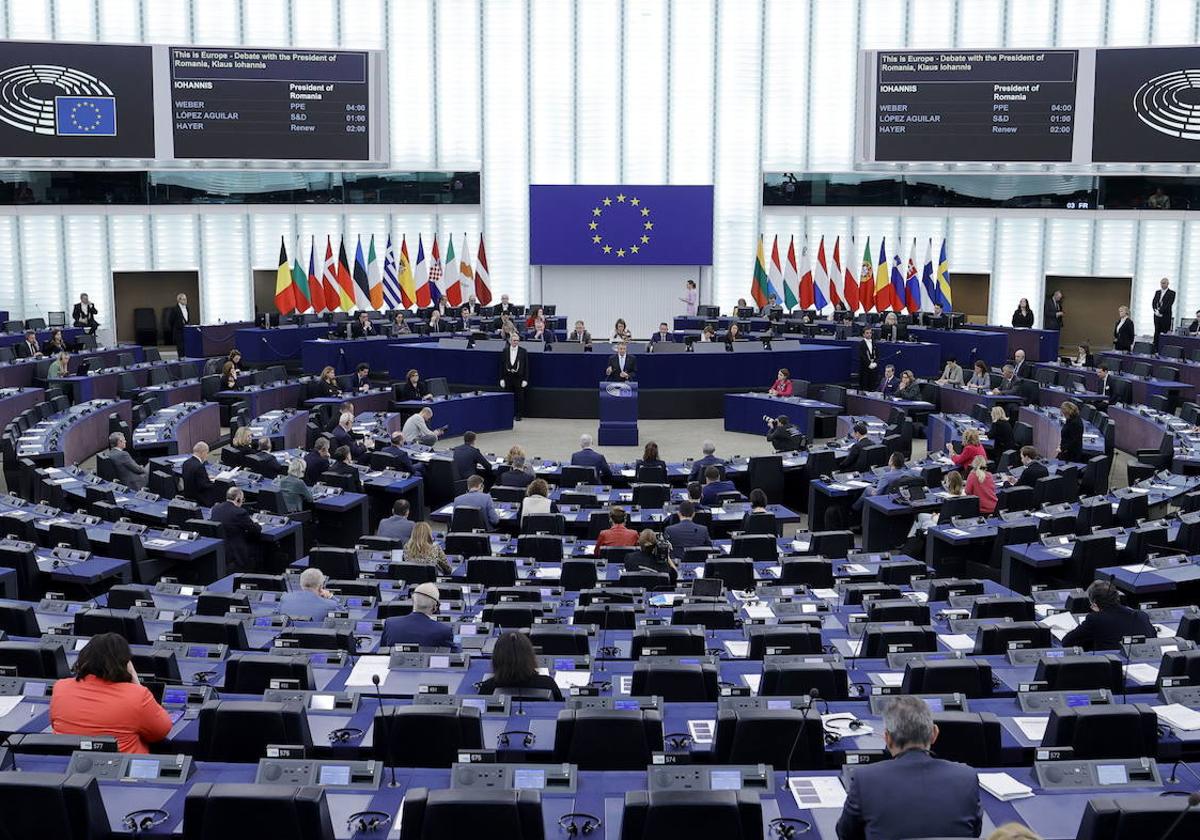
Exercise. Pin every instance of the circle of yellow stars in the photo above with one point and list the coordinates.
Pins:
(95, 115)
(643, 214)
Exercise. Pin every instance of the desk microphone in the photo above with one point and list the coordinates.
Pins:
(1186, 766)
(1192, 801)
(600, 646)
(813, 696)
(387, 731)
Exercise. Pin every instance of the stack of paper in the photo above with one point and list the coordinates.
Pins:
(1060, 624)
(366, 667)
(566, 680)
(1138, 568)
(738, 649)
(957, 641)
(856, 569)
(548, 572)
(1142, 673)
(1033, 728)
(1004, 787)
(826, 594)
(889, 678)
(752, 680)
(759, 611)
(1178, 716)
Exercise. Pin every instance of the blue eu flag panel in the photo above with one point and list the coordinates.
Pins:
(85, 116)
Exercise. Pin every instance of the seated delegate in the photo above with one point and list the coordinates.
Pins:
(515, 665)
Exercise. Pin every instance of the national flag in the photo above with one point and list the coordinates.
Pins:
(806, 279)
(374, 277)
(344, 280)
(759, 282)
(942, 281)
(897, 283)
(299, 281)
(928, 290)
(912, 284)
(846, 276)
(408, 288)
(362, 291)
(791, 277)
(391, 283)
(314, 281)
(466, 274)
(774, 272)
(449, 273)
(285, 299)
(866, 279)
(421, 274)
(329, 283)
(483, 277)
(821, 292)
(437, 276)
(883, 285)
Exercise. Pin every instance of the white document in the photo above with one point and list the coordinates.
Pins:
(858, 483)
(752, 680)
(817, 791)
(738, 649)
(1163, 631)
(548, 573)
(1138, 568)
(1178, 716)
(857, 569)
(1033, 728)
(566, 680)
(957, 641)
(890, 678)
(855, 647)
(826, 594)
(1060, 624)
(625, 684)
(759, 610)
(800, 545)
(366, 667)
(7, 704)
(1142, 673)
(702, 731)
(1004, 787)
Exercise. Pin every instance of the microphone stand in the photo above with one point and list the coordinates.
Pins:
(813, 695)
(387, 732)
(1192, 801)
(600, 646)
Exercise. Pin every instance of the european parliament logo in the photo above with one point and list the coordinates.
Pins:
(83, 105)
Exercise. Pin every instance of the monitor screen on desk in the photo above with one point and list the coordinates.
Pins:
(1112, 774)
(141, 768)
(439, 662)
(725, 780)
(334, 774)
(529, 779)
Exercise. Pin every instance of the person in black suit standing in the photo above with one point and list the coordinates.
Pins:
(1123, 331)
(514, 372)
(239, 528)
(468, 460)
(1052, 314)
(868, 362)
(1109, 621)
(1104, 387)
(621, 366)
(178, 317)
(197, 486)
(84, 315)
(1164, 310)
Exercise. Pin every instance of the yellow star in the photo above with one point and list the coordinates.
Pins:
(635, 201)
(649, 226)
(595, 211)
(645, 211)
(645, 239)
(608, 249)
(596, 239)
(633, 249)
(620, 252)
(607, 201)
(591, 225)
(621, 197)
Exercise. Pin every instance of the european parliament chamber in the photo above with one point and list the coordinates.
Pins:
(655, 420)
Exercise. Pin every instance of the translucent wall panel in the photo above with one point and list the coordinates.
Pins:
(598, 51)
(87, 255)
(226, 281)
(644, 120)
(1189, 282)
(319, 226)
(315, 24)
(120, 20)
(217, 22)
(1174, 22)
(457, 80)
(362, 25)
(175, 242)
(1114, 248)
(44, 287)
(1161, 241)
(10, 276)
(74, 20)
(881, 24)
(690, 112)
(459, 223)
(880, 229)
(266, 23)
(931, 24)
(410, 77)
(552, 85)
(1030, 24)
(1069, 246)
(1081, 23)
(970, 243)
(266, 229)
(365, 225)
(30, 19)
(506, 147)
(785, 88)
(129, 242)
(1128, 22)
(409, 225)
(980, 23)
(167, 22)
(1018, 267)
(832, 81)
(927, 231)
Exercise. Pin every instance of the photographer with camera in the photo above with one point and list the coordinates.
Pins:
(653, 555)
(782, 435)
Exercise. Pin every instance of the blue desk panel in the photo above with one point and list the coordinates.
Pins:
(1039, 345)
(271, 346)
(345, 354)
(202, 341)
(744, 412)
(488, 412)
(966, 345)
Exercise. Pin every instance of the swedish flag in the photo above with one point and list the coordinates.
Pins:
(85, 116)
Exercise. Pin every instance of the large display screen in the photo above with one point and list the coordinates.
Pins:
(1147, 106)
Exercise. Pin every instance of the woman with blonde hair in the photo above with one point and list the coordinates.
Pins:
(1014, 831)
(970, 450)
(982, 484)
(328, 383)
(421, 548)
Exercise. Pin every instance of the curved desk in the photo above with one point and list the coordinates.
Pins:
(345, 354)
(562, 383)
(14, 401)
(201, 341)
(287, 429)
(74, 435)
(1039, 345)
(170, 431)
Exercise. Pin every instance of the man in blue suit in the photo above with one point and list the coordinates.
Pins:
(714, 485)
(914, 794)
(663, 334)
(467, 459)
(475, 497)
(685, 533)
(709, 460)
(312, 601)
(588, 457)
(893, 474)
(890, 382)
(419, 627)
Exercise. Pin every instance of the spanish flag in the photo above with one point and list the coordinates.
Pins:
(408, 286)
(285, 298)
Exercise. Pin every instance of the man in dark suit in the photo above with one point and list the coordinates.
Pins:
(343, 435)
(856, 458)
(419, 627)
(890, 382)
(197, 486)
(892, 329)
(30, 348)
(709, 460)
(238, 528)
(1009, 384)
(621, 366)
(1123, 332)
(1052, 314)
(1164, 310)
(1109, 621)
(179, 316)
(363, 328)
(261, 461)
(580, 335)
(83, 314)
(1033, 470)
(401, 456)
(868, 361)
(685, 533)
(588, 457)
(343, 465)
(914, 794)
(506, 308)
(714, 486)
(468, 460)
(129, 472)
(1021, 368)
(663, 334)
(514, 372)
(1104, 387)
(361, 378)
(317, 461)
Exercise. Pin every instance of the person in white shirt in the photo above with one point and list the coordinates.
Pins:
(417, 428)
(537, 498)
(514, 372)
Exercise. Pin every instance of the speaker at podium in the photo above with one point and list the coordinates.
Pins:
(618, 414)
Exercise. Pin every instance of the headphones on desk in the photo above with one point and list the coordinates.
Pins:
(344, 735)
(144, 819)
(366, 821)
(529, 739)
(785, 828)
(570, 823)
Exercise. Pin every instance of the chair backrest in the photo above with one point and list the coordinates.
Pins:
(467, 518)
(878, 642)
(213, 630)
(493, 813)
(608, 739)
(104, 620)
(468, 544)
(668, 641)
(735, 573)
(573, 476)
(651, 495)
(776, 639)
(19, 620)
(425, 736)
(578, 574)
(754, 546)
(799, 678)
(997, 639)
(675, 683)
(253, 673)
(676, 815)
(1104, 731)
(770, 737)
(492, 571)
(239, 731)
(60, 805)
(1081, 673)
(969, 737)
(761, 522)
(968, 677)
(33, 659)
